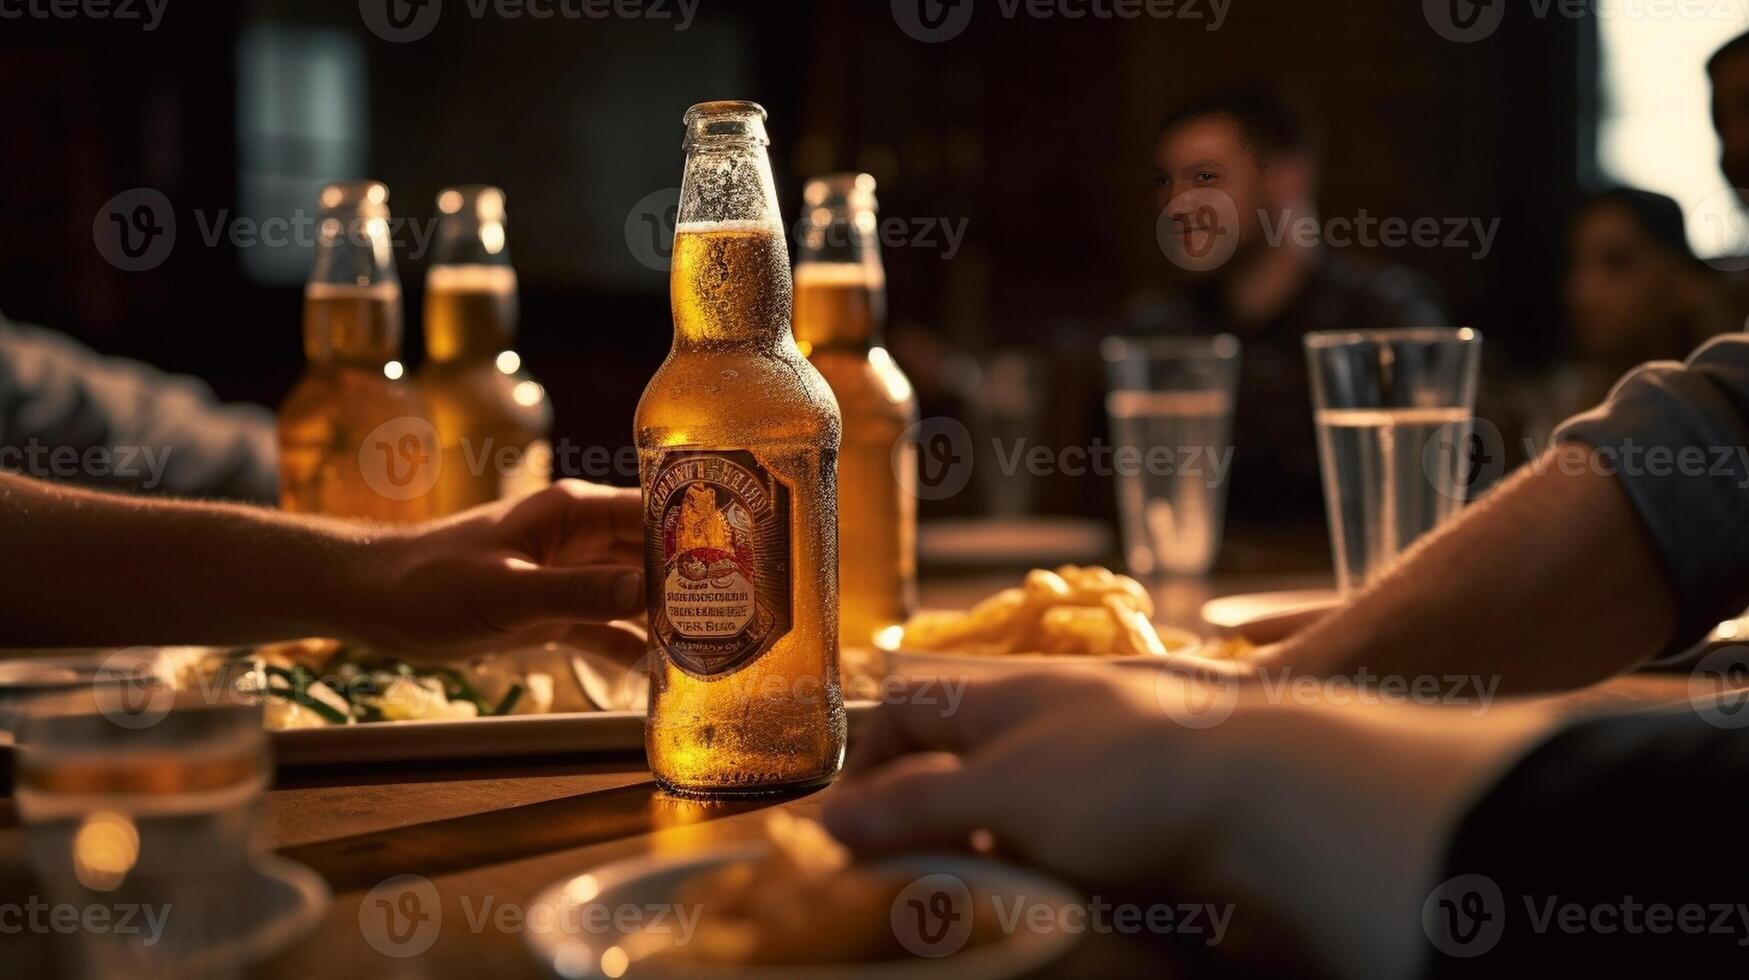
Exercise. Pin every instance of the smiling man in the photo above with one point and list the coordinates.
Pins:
(1237, 176)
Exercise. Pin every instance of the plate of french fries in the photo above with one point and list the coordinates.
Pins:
(795, 905)
(1070, 613)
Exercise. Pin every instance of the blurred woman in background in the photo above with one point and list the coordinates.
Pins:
(1634, 292)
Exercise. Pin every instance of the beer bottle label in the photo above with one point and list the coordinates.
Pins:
(717, 545)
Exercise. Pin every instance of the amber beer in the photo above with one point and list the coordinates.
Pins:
(353, 440)
(737, 439)
(493, 421)
(840, 310)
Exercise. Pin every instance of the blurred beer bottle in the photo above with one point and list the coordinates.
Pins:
(737, 439)
(353, 439)
(841, 293)
(493, 421)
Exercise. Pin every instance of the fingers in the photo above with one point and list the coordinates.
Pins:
(578, 523)
(920, 802)
(591, 594)
(618, 511)
(946, 714)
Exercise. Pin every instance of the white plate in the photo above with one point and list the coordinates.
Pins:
(565, 733)
(905, 662)
(1233, 611)
(470, 738)
(650, 882)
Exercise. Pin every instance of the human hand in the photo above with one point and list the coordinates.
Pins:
(557, 565)
(1326, 821)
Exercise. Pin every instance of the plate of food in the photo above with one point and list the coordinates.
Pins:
(797, 907)
(328, 702)
(1069, 615)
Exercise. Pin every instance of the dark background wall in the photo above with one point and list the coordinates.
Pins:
(1037, 133)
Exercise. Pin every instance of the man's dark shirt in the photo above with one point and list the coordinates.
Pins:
(1606, 852)
(1275, 458)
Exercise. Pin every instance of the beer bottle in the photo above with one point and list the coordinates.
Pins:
(840, 310)
(493, 421)
(353, 439)
(737, 439)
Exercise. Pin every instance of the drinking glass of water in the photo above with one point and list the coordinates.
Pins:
(1171, 408)
(1394, 410)
(138, 808)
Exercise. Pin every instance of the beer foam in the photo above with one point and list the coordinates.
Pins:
(473, 278)
(766, 226)
(839, 274)
(348, 290)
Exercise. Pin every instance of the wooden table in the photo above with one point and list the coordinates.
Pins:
(500, 832)
(503, 833)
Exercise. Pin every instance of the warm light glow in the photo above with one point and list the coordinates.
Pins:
(331, 197)
(393, 370)
(450, 201)
(614, 961)
(509, 361)
(582, 890)
(889, 637)
(573, 960)
(378, 194)
(492, 237)
(528, 394)
(105, 849)
(490, 205)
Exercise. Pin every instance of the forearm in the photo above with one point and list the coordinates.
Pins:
(1548, 583)
(87, 569)
(1375, 794)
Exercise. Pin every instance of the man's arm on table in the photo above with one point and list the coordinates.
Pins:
(1599, 555)
(85, 568)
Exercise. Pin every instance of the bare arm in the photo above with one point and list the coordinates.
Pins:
(85, 569)
(1625, 541)
(1550, 582)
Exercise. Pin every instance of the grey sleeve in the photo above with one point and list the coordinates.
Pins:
(68, 413)
(1676, 436)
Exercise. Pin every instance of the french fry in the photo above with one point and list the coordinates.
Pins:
(1078, 630)
(1137, 630)
(1072, 610)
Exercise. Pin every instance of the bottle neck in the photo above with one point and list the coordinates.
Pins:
(352, 325)
(729, 283)
(839, 305)
(841, 288)
(352, 303)
(470, 313)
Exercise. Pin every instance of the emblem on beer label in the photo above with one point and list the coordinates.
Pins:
(717, 549)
